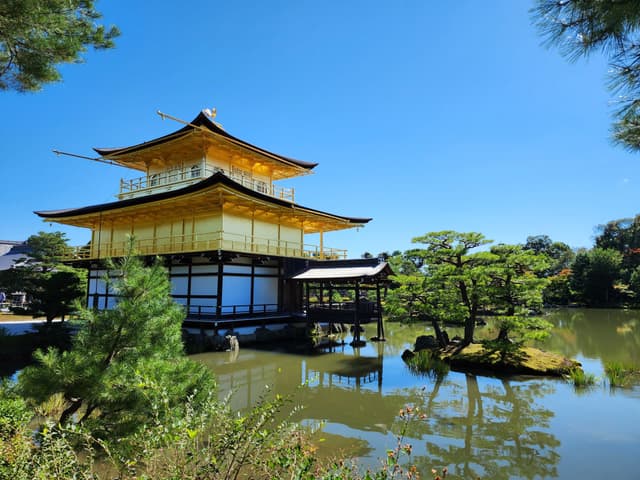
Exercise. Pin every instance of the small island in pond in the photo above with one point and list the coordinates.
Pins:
(478, 357)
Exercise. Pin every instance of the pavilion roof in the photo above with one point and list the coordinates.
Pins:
(202, 123)
(216, 180)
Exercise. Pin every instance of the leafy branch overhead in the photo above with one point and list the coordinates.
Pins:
(36, 36)
(581, 27)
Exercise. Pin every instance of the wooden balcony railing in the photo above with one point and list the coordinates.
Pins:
(205, 242)
(180, 177)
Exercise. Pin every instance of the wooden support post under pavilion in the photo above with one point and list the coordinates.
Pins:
(380, 329)
(356, 319)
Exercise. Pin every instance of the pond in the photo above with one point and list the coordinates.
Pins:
(477, 426)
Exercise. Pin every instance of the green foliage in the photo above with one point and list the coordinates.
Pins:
(55, 294)
(52, 288)
(208, 442)
(109, 378)
(14, 433)
(446, 281)
(420, 297)
(37, 35)
(594, 275)
(516, 287)
(14, 412)
(580, 28)
(634, 285)
(622, 234)
(46, 248)
(407, 263)
(452, 264)
(559, 254)
(558, 290)
(13, 279)
(513, 332)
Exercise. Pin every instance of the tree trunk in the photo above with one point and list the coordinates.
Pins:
(70, 410)
(439, 336)
(469, 327)
(470, 324)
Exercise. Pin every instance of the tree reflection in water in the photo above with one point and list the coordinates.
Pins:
(501, 431)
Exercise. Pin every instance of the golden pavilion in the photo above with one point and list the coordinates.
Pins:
(208, 203)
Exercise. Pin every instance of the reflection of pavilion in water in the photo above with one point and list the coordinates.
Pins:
(336, 388)
(353, 371)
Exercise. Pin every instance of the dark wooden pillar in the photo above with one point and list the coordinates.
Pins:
(380, 329)
(220, 282)
(330, 296)
(356, 320)
(252, 287)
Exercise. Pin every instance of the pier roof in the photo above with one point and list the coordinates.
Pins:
(345, 270)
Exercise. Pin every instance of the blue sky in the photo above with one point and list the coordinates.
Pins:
(423, 115)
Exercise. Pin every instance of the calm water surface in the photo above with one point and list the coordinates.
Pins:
(477, 426)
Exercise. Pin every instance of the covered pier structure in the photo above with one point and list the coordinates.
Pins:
(364, 279)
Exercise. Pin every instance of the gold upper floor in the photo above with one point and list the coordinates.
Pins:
(179, 177)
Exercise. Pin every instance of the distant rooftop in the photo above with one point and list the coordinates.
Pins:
(10, 251)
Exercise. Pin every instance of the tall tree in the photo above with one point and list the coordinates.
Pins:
(52, 288)
(38, 35)
(622, 235)
(516, 292)
(581, 27)
(560, 254)
(46, 249)
(55, 294)
(451, 255)
(421, 297)
(516, 288)
(594, 275)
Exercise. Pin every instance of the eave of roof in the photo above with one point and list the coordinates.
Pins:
(201, 121)
(217, 178)
(342, 273)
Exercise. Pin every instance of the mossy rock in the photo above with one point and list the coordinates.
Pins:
(529, 361)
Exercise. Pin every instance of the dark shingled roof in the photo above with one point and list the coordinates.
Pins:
(217, 178)
(204, 122)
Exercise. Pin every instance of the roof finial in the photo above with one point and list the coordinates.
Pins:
(210, 112)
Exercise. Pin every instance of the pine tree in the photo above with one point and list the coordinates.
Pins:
(123, 361)
(581, 27)
(37, 35)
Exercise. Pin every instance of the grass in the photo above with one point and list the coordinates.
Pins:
(620, 375)
(427, 362)
(580, 378)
